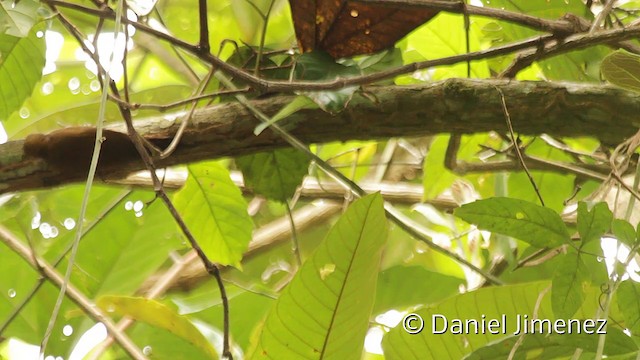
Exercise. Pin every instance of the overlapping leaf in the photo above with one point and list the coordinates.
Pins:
(324, 312)
(537, 225)
(216, 213)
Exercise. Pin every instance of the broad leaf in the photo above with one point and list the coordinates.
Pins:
(567, 294)
(216, 213)
(21, 63)
(275, 174)
(159, 315)
(593, 224)
(324, 312)
(508, 304)
(627, 296)
(624, 232)
(544, 346)
(537, 225)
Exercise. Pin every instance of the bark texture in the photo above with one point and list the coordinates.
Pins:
(453, 106)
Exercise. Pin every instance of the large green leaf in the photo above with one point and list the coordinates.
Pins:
(567, 293)
(159, 315)
(624, 232)
(275, 174)
(507, 304)
(593, 224)
(216, 213)
(627, 297)
(324, 312)
(543, 346)
(21, 63)
(537, 225)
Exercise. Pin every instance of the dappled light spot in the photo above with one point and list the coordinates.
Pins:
(47, 88)
(67, 330)
(24, 113)
(69, 223)
(147, 350)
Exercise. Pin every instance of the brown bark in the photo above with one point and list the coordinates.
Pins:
(452, 106)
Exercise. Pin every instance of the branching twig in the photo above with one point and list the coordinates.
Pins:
(138, 142)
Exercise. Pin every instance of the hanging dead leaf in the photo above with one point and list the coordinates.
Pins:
(344, 28)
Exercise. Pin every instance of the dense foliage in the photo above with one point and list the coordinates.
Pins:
(477, 226)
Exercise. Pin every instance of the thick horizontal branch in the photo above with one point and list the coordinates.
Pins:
(452, 106)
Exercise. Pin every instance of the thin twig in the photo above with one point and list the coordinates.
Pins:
(74, 294)
(138, 143)
(516, 146)
(165, 107)
(295, 244)
(263, 36)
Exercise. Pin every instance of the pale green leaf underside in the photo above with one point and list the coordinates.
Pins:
(534, 224)
(508, 301)
(275, 174)
(21, 63)
(216, 213)
(159, 315)
(324, 312)
(567, 294)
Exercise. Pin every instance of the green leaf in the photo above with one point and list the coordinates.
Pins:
(622, 68)
(617, 342)
(628, 297)
(554, 346)
(213, 208)
(593, 224)
(624, 232)
(18, 17)
(567, 294)
(532, 346)
(324, 312)
(159, 315)
(504, 302)
(404, 286)
(275, 174)
(534, 224)
(21, 63)
(317, 65)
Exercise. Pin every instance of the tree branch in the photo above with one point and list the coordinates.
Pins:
(457, 105)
